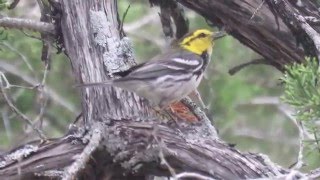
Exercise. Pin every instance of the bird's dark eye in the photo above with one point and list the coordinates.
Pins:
(202, 35)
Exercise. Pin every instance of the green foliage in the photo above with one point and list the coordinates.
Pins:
(3, 4)
(302, 91)
(3, 34)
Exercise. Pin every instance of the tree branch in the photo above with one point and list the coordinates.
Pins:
(13, 4)
(237, 68)
(304, 33)
(16, 110)
(83, 158)
(168, 10)
(33, 82)
(17, 23)
(265, 35)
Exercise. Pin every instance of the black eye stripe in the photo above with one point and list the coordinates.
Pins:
(201, 35)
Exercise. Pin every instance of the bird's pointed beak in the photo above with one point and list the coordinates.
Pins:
(218, 35)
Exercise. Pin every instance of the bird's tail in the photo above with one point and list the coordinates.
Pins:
(104, 83)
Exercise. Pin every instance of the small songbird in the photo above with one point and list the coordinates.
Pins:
(171, 75)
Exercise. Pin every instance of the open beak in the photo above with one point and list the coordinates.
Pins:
(218, 35)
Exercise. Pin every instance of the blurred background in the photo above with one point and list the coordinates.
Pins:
(244, 107)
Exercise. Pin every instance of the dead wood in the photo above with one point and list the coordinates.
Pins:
(259, 27)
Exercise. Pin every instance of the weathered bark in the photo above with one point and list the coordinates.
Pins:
(258, 27)
(26, 161)
(137, 151)
(132, 137)
(294, 15)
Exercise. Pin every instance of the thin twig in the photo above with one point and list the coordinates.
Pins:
(6, 123)
(282, 107)
(299, 162)
(173, 173)
(23, 57)
(191, 175)
(148, 37)
(290, 114)
(316, 138)
(31, 36)
(42, 94)
(147, 19)
(161, 155)
(22, 87)
(16, 110)
(13, 4)
(18, 23)
(256, 10)
(162, 145)
(47, 41)
(122, 21)
(82, 159)
(196, 97)
(52, 93)
(237, 68)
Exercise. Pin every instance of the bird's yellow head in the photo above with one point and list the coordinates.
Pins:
(199, 41)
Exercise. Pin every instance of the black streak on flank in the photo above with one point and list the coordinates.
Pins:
(125, 73)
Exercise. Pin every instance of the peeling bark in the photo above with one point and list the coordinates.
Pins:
(255, 27)
(306, 34)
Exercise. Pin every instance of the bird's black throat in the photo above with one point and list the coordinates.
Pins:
(205, 58)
